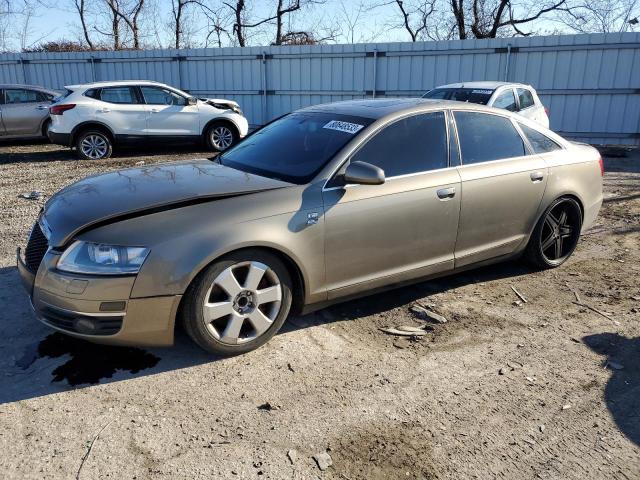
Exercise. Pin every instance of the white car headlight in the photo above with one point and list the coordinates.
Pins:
(101, 259)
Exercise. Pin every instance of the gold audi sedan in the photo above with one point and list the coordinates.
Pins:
(322, 204)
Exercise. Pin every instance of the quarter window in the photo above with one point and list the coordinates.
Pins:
(160, 96)
(484, 137)
(410, 145)
(539, 141)
(20, 95)
(506, 100)
(525, 97)
(118, 95)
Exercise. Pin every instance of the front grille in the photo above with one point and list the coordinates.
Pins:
(77, 323)
(36, 248)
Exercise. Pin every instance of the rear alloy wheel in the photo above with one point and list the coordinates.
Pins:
(93, 145)
(556, 235)
(220, 136)
(239, 303)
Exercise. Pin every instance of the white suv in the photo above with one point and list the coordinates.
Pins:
(94, 117)
(515, 97)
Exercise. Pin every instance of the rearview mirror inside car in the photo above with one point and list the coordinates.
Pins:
(363, 173)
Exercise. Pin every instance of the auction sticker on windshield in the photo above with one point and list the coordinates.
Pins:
(343, 126)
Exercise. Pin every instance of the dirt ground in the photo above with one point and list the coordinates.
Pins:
(547, 389)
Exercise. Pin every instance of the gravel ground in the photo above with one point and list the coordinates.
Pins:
(546, 389)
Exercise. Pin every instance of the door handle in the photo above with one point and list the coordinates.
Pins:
(105, 110)
(42, 107)
(536, 176)
(154, 110)
(446, 193)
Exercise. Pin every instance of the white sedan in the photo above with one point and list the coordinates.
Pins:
(515, 97)
(96, 116)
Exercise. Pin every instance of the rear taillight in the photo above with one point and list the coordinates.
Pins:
(601, 163)
(546, 110)
(60, 109)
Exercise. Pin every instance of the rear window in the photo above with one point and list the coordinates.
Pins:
(471, 95)
(525, 97)
(539, 141)
(485, 137)
(296, 147)
(124, 95)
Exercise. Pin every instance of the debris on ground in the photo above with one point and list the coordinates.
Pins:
(141, 162)
(502, 371)
(402, 333)
(542, 428)
(520, 296)
(268, 407)
(293, 456)
(33, 195)
(421, 311)
(323, 459)
(566, 406)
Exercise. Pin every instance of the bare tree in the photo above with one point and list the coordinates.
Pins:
(81, 8)
(602, 16)
(178, 11)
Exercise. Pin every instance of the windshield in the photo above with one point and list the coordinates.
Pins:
(472, 95)
(296, 147)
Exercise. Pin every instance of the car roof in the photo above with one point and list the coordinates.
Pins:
(113, 83)
(482, 85)
(379, 108)
(22, 85)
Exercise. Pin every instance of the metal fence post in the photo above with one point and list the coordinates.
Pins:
(264, 87)
(507, 64)
(375, 71)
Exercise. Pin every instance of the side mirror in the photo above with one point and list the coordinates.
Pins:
(192, 101)
(363, 173)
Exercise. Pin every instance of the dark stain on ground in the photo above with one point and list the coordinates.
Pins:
(90, 363)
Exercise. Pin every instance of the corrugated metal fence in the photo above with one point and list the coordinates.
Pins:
(590, 83)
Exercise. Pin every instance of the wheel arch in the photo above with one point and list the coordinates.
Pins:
(292, 266)
(228, 121)
(91, 124)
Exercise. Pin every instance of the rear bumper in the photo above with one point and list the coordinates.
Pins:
(59, 138)
(101, 311)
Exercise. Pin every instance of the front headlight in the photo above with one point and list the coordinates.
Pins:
(101, 259)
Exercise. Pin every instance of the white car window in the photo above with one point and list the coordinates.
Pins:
(118, 95)
(525, 97)
(160, 96)
(506, 100)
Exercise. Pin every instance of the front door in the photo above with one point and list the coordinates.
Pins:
(169, 113)
(502, 187)
(403, 229)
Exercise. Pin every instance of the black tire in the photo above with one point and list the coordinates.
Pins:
(45, 128)
(102, 142)
(220, 136)
(203, 333)
(542, 255)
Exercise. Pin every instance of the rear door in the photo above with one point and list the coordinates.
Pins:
(502, 187)
(122, 110)
(404, 228)
(23, 112)
(169, 113)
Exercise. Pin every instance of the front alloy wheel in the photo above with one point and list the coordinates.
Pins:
(220, 136)
(238, 303)
(556, 235)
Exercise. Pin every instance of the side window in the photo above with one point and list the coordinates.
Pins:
(118, 95)
(525, 97)
(506, 100)
(410, 145)
(485, 137)
(44, 97)
(20, 95)
(160, 96)
(93, 93)
(437, 94)
(539, 141)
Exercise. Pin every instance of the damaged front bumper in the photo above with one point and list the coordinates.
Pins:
(96, 308)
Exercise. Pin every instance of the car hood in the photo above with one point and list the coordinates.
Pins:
(109, 197)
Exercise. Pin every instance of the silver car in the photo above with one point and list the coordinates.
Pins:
(320, 205)
(24, 111)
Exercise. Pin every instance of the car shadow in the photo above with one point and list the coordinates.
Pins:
(621, 355)
(37, 361)
(38, 151)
